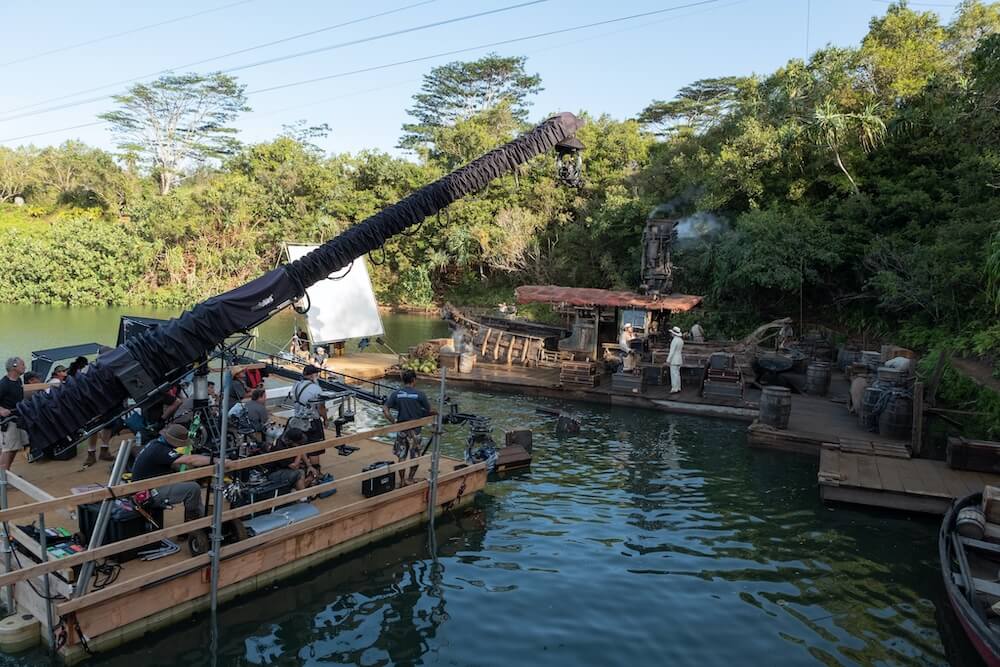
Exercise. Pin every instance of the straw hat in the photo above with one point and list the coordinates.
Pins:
(676, 331)
(176, 435)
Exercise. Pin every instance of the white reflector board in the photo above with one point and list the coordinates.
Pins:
(342, 306)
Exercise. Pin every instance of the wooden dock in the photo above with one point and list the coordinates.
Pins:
(363, 365)
(148, 595)
(913, 485)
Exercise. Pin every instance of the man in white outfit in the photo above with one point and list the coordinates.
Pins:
(675, 359)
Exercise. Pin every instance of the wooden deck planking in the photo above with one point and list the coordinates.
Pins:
(868, 472)
(918, 485)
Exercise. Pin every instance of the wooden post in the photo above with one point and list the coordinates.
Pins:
(8, 598)
(939, 367)
(917, 441)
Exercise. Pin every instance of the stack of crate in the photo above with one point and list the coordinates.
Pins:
(578, 374)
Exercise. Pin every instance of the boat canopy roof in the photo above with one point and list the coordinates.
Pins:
(43, 360)
(589, 297)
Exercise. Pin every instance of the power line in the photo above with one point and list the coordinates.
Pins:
(430, 57)
(300, 54)
(504, 42)
(213, 58)
(61, 129)
(115, 35)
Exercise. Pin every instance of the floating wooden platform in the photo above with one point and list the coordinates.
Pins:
(363, 365)
(914, 485)
(546, 382)
(148, 595)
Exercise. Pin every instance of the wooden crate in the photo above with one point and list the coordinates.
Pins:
(578, 374)
(628, 383)
(977, 455)
(991, 503)
(449, 361)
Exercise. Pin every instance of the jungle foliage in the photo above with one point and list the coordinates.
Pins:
(862, 183)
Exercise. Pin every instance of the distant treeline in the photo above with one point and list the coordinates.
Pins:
(865, 182)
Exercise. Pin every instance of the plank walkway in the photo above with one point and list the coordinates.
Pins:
(893, 482)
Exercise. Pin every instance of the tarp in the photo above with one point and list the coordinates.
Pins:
(43, 360)
(342, 306)
(133, 325)
(586, 296)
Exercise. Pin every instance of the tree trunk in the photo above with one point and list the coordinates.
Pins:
(165, 182)
(840, 163)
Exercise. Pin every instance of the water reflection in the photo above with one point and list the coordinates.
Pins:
(647, 539)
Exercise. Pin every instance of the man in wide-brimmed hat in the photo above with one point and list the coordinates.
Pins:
(167, 454)
(675, 359)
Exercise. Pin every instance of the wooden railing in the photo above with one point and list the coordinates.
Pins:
(46, 502)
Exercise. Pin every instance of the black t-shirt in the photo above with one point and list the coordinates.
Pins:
(409, 403)
(11, 392)
(237, 392)
(156, 459)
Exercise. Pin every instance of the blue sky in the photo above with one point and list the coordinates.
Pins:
(615, 69)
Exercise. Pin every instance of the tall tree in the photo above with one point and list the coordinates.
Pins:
(699, 105)
(177, 120)
(18, 170)
(459, 90)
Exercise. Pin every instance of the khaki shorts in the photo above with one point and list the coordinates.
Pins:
(13, 439)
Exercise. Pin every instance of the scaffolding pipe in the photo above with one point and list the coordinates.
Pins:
(49, 614)
(436, 452)
(217, 486)
(103, 517)
(8, 591)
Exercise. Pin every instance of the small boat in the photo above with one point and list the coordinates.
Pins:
(970, 566)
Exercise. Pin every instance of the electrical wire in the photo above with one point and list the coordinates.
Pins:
(130, 31)
(213, 58)
(268, 61)
(504, 42)
(429, 57)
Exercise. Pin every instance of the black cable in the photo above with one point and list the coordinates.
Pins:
(343, 275)
(371, 257)
(17, 560)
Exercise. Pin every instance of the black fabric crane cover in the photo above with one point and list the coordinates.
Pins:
(166, 352)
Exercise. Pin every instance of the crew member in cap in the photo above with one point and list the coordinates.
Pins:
(310, 409)
(164, 455)
(675, 359)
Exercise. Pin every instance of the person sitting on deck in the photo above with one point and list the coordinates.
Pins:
(409, 403)
(12, 436)
(675, 359)
(31, 378)
(59, 375)
(164, 455)
(238, 388)
(310, 408)
(295, 471)
(257, 410)
(78, 365)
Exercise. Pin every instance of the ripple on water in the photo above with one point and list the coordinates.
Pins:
(648, 539)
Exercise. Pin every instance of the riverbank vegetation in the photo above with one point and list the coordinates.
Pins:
(862, 186)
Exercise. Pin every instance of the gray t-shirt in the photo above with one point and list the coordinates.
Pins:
(257, 414)
(409, 404)
(306, 393)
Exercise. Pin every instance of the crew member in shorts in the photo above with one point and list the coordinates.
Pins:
(12, 436)
(409, 403)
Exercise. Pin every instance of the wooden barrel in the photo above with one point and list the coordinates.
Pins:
(775, 406)
(868, 403)
(19, 632)
(818, 378)
(466, 362)
(893, 376)
(897, 420)
(971, 522)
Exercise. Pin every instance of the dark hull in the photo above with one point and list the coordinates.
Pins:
(983, 639)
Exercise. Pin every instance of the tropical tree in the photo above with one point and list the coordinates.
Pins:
(460, 90)
(838, 129)
(178, 120)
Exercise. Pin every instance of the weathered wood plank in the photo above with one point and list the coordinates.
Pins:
(868, 472)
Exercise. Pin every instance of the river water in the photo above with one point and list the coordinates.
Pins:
(647, 539)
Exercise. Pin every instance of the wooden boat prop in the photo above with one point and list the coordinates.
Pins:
(969, 568)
